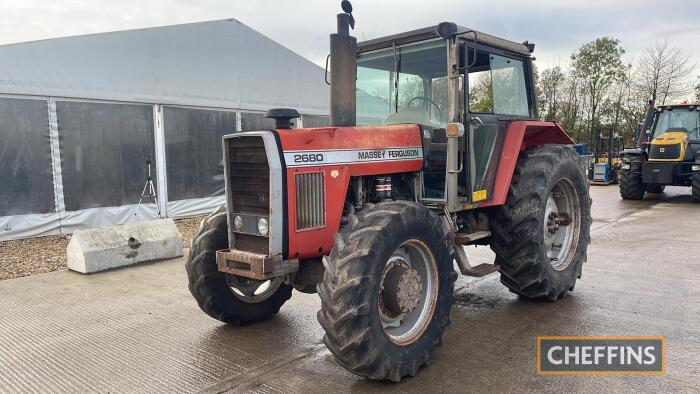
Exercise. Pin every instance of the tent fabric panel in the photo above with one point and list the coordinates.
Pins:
(25, 158)
(193, 155)
(29, 226)
(316, 121)
(222, 64)
(104, 151)
(255, 121)
(108, 216)
(194, 207)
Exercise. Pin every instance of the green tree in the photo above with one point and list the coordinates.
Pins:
(549, 84)
(599, 65)
(480, 92)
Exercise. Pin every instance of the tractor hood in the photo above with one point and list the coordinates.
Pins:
(669, 146)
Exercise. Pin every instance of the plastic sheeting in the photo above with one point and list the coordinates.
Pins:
(104, 151)
(26, 185)
(316, 121)
(67, 164)
(251, 121)
(194, 157)
(195, 206)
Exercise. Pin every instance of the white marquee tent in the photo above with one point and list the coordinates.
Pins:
(80, 117)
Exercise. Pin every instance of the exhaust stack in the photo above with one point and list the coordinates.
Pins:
(343, 73)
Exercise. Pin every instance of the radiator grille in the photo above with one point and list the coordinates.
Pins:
(665, 152)
(249, 176)
(310, 198)
(249, 180)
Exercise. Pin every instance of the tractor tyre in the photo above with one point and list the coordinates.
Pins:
(696, 187)
(387, 290)
(228, 298)
(541, 235)
(631, 186)
(654, 188)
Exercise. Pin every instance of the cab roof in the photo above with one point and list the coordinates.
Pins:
(428, 33)
(674, 106)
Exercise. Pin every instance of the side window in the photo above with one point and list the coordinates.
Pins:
(509, 92)
(497, 85)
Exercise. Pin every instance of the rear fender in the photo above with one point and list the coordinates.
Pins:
(520, 136)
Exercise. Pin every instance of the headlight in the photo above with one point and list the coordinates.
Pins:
(626, 166)
(238, 223)
(696, 167)
(263, 226)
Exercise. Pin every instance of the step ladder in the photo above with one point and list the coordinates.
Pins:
(462, 239)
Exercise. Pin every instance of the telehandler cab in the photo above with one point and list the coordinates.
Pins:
(434, 145)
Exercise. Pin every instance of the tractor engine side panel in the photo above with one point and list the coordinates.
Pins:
(319, 163)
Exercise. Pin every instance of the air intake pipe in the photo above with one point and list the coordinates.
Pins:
(343, 73)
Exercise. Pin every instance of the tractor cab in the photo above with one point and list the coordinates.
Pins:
(441, 75)
(676, 133)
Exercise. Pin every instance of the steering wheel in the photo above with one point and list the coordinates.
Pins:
(427, 100)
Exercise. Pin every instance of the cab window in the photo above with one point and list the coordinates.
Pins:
(403, 85)
(679, 118)
(497, 85)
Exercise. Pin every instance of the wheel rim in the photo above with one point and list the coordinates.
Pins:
(251, 290)
(562, 224)
(408, 292)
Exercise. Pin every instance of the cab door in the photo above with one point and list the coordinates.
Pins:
(498, 91)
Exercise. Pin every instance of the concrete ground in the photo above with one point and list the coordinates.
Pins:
(138, 329)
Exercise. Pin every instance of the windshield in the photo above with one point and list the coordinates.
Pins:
(405, 85)
(683, 118)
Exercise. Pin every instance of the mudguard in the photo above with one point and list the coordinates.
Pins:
(520, 136)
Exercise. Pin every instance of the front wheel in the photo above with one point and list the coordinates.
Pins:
(229, 298)
(631, 185)
(541, 234)
(387, 290)
(696, 187)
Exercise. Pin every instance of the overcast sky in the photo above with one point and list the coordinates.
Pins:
(556, 26)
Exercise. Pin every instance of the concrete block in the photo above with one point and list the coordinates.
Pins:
(103, 248)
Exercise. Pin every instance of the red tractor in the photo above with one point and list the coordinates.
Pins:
(434, 145)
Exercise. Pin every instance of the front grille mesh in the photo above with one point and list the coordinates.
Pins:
(249, 175)
(249, 179)
(670, 152)
(310, 200)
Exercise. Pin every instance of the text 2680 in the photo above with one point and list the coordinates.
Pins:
(308, 158)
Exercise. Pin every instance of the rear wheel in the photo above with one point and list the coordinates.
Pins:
(541, 234)
(696, 187)
(229, 298)
(654, 188)
(387, 290)
(631, 186)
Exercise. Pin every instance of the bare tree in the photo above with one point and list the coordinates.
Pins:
(663, 72)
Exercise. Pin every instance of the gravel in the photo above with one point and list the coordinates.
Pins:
(188, 227)
(46, 254)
